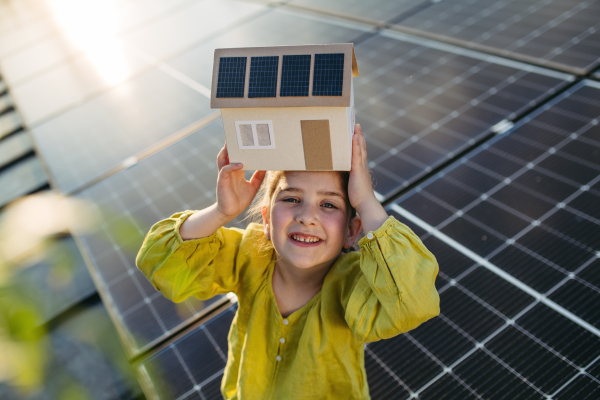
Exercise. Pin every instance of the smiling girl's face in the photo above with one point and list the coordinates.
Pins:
(308, 219)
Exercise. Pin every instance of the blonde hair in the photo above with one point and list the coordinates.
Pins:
(264, 196)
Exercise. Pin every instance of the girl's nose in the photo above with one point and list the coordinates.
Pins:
(306, 215)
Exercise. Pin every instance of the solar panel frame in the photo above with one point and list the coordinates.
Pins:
(376, 11)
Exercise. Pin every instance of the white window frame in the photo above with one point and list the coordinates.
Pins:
(254, 134)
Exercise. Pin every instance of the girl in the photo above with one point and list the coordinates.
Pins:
(305, 309)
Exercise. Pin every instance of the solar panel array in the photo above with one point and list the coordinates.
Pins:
(181, 177)
(515, 227)
(378, 11)
(83, 143)
(232, 77)
(191, 367)
(295, 75)
(263, 76)
(421, 103)
(560, 33)
(513, 223)
(328, 78)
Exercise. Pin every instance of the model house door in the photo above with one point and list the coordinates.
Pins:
(317, 145)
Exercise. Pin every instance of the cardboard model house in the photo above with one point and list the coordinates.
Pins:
(288, 108)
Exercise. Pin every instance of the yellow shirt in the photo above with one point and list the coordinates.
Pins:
(318, 351)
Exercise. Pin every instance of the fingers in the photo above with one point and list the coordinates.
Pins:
(222, 157)
(257, 178)
(359, 148)
(226, 170)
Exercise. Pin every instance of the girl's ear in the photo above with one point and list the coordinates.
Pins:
(354, 228)
(265, 218)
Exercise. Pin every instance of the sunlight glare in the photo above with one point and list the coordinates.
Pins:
(92, 26)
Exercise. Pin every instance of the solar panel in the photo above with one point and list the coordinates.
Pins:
(375, 10)
(232, 77)
(9, 123)
(14, 146)
(514, 246)
(180, 177)
(561, 33)
(53, 290)
(87, 141)
(328, 75)
(295, 75)
(52, 49)
(263, 76)
(178, 31)
(191, 367)
(5, 102)
(420, 102)
(20, 179)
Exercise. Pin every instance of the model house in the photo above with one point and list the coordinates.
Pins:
(287, 107)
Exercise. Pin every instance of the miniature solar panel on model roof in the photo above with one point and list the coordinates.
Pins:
(287, 107)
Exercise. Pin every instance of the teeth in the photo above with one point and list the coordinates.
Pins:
(306, 240)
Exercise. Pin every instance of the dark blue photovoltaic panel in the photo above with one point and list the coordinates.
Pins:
(263, 76)
(232, 77)
(295, 75)
(329, 74)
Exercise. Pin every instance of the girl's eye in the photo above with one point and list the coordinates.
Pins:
(328, 205)
(291, 200)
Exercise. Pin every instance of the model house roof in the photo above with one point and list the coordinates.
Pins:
(284, 76)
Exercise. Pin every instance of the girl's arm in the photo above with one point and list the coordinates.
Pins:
(395, 290)
(234, 195)
(360, 189)
(190, 253)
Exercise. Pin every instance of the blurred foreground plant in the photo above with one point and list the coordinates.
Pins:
(28, 230)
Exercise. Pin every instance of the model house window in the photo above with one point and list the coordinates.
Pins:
(255, 134)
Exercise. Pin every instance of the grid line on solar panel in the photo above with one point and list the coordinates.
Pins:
(232, 77)
(181, 176)
(482, 345)
(371, 354)
(556, 36)
(196, 355)
(375, 11)
(419, 105)
(328, 74)
(295, 75)
(263, 76)
(566, 277)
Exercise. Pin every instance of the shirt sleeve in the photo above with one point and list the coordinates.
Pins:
(201, 267)
(396, 290)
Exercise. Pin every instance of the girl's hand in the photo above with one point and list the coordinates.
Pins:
(360, 189)
(234, 192)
